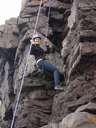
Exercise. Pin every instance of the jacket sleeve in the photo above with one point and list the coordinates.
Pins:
(32, 50)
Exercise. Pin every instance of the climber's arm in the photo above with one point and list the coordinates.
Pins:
(32, 52)
(48, 44)
(36, 51)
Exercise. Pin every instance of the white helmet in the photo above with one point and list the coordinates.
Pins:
(36, 36)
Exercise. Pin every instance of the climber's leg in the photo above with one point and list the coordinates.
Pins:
(56, 78)
(45, 66)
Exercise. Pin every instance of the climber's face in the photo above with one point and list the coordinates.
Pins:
(37, 40)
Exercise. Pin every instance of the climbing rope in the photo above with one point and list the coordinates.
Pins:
(49, 10)
(47, 32)
(22, 81)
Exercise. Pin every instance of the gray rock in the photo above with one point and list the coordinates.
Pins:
(39, 104)
(8, 44)
(9, 34)
(80, 119)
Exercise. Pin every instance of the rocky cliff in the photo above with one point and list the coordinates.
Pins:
(8, 45)
(71, 29)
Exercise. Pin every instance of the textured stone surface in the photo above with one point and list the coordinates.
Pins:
(81, 118)
(40, 106)
(82, 36)
(8, 44)
(36, 108)
(73, 22)
(9, 34)
(79, 58)
(58, 17)
(78, 52)
(79, 92)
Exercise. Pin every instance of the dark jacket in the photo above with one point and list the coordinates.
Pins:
(37, 51)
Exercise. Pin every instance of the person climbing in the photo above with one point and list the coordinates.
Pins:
(39, 49)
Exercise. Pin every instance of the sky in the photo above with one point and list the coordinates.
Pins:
(8, 9)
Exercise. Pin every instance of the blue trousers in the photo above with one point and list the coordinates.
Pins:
(45, 66)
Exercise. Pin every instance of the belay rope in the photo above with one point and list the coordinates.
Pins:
(22, 81)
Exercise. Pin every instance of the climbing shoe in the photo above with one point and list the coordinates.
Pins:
(58, 87)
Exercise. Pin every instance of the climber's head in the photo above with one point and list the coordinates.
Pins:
(36, 39)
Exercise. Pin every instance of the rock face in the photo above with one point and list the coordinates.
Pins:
(71, 29)
(41, 100)
(83, 117)
(79, 59)
(9, 33)
(8, 45)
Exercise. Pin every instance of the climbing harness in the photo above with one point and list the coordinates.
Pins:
(22, 81)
